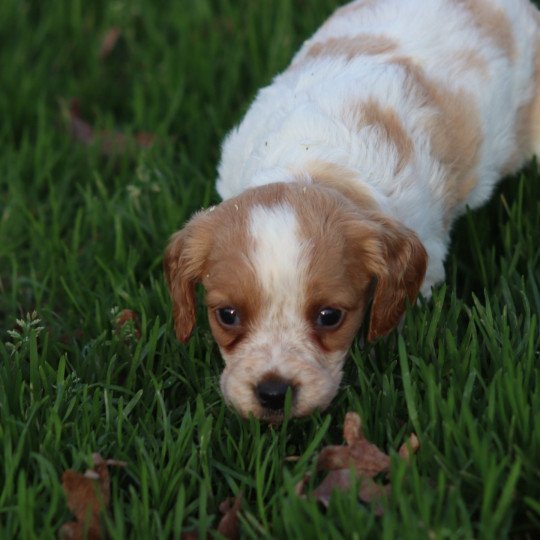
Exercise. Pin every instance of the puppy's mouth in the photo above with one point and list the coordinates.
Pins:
(272, 417)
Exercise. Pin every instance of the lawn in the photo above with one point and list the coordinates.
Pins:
(82, 232)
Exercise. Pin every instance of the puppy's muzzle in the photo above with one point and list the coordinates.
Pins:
(271, 393)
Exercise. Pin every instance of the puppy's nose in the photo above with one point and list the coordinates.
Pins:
(271, 393)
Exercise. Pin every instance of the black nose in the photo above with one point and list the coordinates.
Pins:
(271, 393)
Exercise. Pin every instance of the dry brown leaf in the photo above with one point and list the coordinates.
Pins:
(228, 525)
(145, 139)
(359, 455)
(126, 324)
(111, 143)
(84, 503)
(367, 459)
(88, 496)
(340, 479)
(409, 447)
(80, 130)
(300, 486)
(371, 492)
(109, 41)
(352, 428)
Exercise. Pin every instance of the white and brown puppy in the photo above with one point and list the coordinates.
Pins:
(341, 184)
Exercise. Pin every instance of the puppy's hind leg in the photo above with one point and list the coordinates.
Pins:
(527, 116)
(527, 138)
(533, 111)
(535, 130)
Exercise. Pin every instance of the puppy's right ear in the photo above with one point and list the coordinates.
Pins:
(183, 265)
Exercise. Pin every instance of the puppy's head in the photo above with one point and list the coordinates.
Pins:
(289, 270)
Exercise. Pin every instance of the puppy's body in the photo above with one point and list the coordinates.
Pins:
(343, 180)
(427, 104)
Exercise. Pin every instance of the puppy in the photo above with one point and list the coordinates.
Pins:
(342, 182)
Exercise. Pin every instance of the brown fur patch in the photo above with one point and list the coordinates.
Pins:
(471, 60)
(343, 180)
(348, 9)
(201, 252)
(398, 261)
(231, 282)
(333, 278)
(455, 132)
(492, 23)
(183, 265)
(534, 119)
(351, 47)
(352, 246)
(372, 113)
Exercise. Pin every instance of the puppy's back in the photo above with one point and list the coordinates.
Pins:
(456, 73)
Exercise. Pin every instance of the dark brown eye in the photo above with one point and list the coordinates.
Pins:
(329, 318)
(228, 316)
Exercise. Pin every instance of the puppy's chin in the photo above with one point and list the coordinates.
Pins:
(272, 417)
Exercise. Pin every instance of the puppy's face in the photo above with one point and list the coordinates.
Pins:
(289, 270)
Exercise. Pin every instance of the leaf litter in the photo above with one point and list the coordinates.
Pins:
(88, 498)
(228, 526)
(88, 495)
(126, 324)
(110, 142)
(109, 41)
(358, 460)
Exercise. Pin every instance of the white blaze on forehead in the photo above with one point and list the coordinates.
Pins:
(278, 256)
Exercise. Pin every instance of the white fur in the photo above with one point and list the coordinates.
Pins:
(277, 256)
(298, 118)
(279, 261)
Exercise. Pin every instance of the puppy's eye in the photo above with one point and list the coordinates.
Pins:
(329, 318)
(228, 316)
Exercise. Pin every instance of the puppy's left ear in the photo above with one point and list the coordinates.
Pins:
(183, 266)
(399, 280)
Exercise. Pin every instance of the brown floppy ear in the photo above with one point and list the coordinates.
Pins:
(405, 261)
(183, 265)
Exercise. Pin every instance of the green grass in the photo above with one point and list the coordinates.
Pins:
(82, 236)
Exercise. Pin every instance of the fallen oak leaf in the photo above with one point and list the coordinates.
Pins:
(361, 457)
(88, 496)
(84, 505)
(367, 459)
(375, 494)
(145, 139)
(80, 130)
(300, 486)
(109, 41)
(111, 143)
(114, 143)
(126, 325)
(338, 479)
(369, 491)
(409, 447)
(352, 428)
(228, 525)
